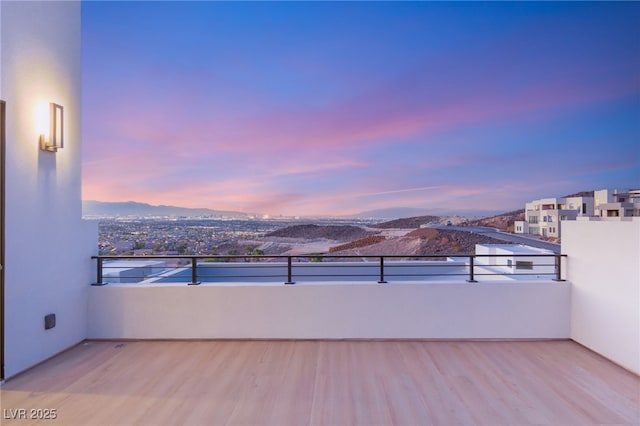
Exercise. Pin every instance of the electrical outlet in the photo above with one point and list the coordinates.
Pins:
(49, 321)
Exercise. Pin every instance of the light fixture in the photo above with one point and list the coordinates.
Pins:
(56, 129)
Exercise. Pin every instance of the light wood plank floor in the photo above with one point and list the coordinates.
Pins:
(326, 382)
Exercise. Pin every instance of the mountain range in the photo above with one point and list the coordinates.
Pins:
(404, 212)
(92, 208)
(104, 209)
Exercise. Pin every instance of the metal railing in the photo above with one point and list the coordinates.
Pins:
(288, 269)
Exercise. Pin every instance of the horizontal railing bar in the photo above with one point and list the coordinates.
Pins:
(323, 256)
(331, 275)
(517, 273)
(241, 276)
(334, 275)
(368, 265)
(222, 266)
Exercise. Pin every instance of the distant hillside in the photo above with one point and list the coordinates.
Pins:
(423, 241)
(330, 232)
(363, 242)
(503, 222)
(406, 223)
(405, 212)
(393, 213)
(131, 208)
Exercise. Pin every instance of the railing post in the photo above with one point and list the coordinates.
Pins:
(558, 277)
(99, 273)
(194, 271)
(471, 278)
(382, 280)
(289, 271)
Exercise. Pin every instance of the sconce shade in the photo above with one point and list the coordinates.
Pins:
(56, 129)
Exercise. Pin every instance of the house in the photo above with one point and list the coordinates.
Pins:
(542, 217)
(614, 203)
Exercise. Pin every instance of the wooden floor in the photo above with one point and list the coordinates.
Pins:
(325, 382)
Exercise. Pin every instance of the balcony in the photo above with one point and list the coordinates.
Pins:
(386, 298)
(287, 379)
(501, 350)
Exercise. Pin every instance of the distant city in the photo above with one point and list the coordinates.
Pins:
(189, 236)
(140, 229)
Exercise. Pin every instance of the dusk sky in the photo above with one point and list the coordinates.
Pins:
(309, 108)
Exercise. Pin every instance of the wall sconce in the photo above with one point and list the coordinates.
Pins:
(56, 129)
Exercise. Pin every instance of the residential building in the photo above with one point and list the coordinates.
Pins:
(543, 217)
(614, 203)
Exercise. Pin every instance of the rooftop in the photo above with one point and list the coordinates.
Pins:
(518, 248)
(329, 382)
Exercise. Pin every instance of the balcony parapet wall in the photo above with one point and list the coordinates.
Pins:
(332, 310)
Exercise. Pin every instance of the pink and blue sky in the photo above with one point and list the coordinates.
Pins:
(309, 108)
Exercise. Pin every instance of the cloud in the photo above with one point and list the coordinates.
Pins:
(398, 191)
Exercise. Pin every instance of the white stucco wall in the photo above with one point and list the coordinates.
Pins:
(331, 310)
(603, 265)
(48, 246)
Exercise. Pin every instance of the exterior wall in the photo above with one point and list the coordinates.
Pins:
(614, 203)
(576, 203)
(618, 210)
(546, 223)
(604, 271)
(47, 265)
(602, 196)
(331, 311)
(521, 227)
(535, 214)
(549, 223)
